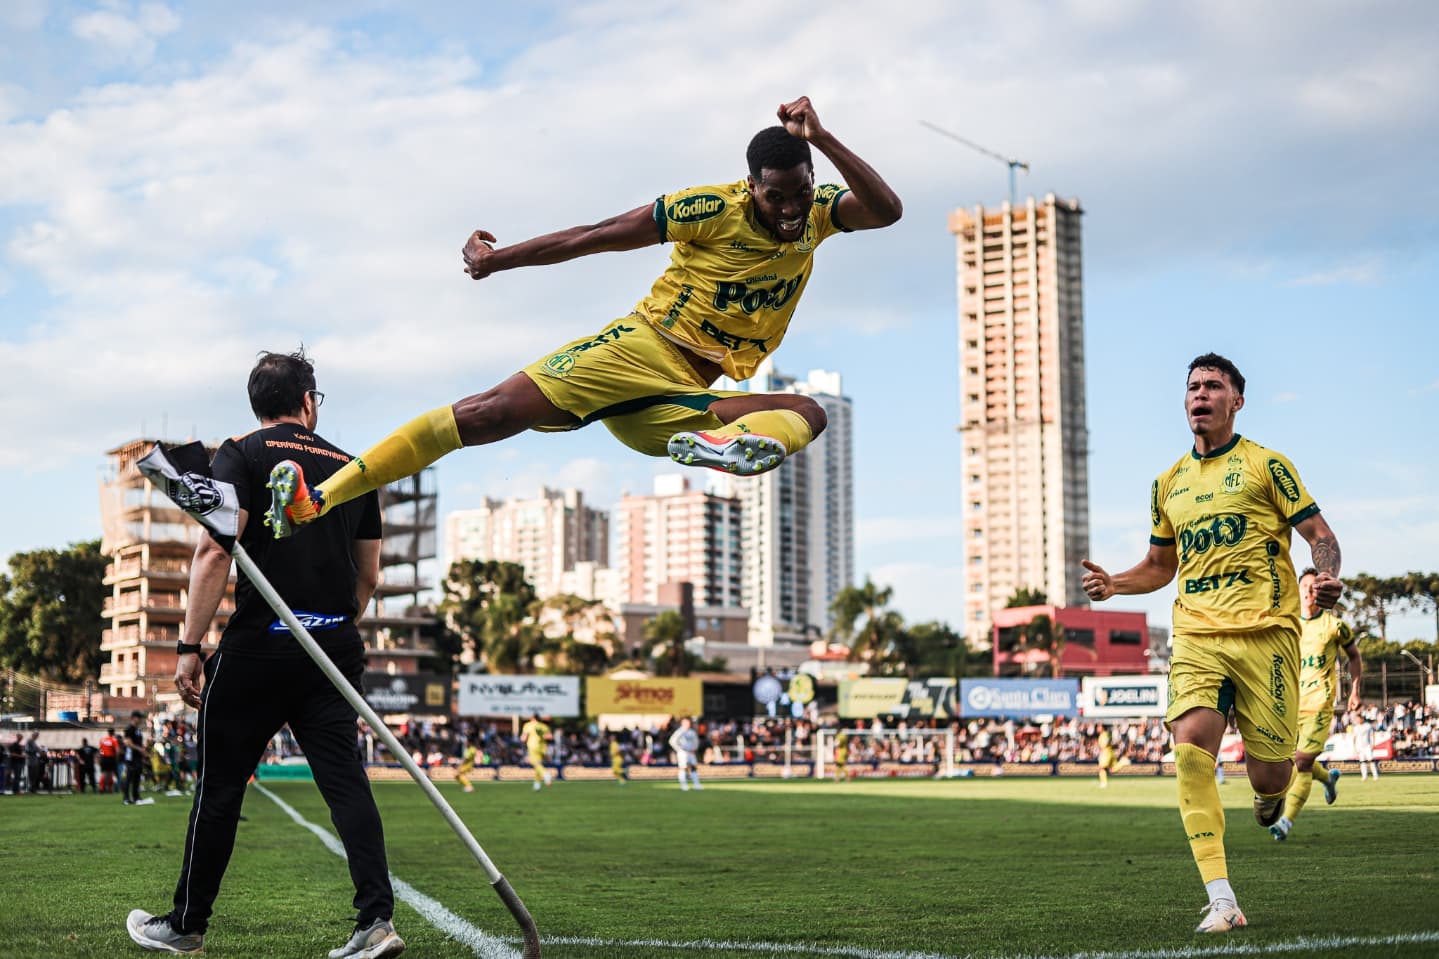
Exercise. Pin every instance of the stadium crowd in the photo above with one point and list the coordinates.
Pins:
(161, 752)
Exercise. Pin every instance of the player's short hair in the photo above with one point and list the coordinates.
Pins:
(1213, 361)
(279, 382)
(775, 148)
(1308, 571)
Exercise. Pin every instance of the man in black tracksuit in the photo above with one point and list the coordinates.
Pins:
(260, 678)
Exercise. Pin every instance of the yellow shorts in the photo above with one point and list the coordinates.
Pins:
(632, 378)
(1256, 672)
(1316, 715)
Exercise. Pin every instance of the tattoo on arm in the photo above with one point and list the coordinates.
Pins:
(1325, 552)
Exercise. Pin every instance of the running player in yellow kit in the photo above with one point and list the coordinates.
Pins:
(743, 253)
(467, 766)
(1221, 517)
(534, 733)
(1323, 636)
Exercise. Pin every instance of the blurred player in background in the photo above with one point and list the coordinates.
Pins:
(1323, 636)
(467, 766)
(686, 744)
(534, 732)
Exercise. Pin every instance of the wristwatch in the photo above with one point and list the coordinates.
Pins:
(185, 649)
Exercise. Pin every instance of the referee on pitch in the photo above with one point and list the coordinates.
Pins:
(260, 678)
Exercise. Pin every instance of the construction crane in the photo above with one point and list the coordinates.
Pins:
(1011, 162)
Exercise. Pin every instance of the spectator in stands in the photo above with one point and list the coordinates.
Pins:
(135, 760)
(109, 761)
(34, 763)
(85, 766)
(15, 756)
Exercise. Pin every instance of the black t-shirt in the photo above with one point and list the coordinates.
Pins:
(314, 570)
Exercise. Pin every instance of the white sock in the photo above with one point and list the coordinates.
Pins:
(1219, 889)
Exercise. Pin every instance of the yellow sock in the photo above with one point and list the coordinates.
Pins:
(404, 452)
(1201, 810)
(787, 426)
(1103, 777)
(1320, 770)
(1298, 795)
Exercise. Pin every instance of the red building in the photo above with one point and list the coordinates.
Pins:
(1087, 642)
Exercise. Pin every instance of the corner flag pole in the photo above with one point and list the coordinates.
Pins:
(183, 474)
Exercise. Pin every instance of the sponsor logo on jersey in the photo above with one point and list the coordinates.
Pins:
(695, 208)
(313, 622)
(1234, 482)
(1284, 480)
(1226, 529)
(753, 300)
(1276, 683)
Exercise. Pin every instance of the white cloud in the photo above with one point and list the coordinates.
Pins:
(125, 34)
(1366, 272)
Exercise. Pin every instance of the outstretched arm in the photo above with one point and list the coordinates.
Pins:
(870, 203)
(628, 231)
(1151, 573)
(1324, 548)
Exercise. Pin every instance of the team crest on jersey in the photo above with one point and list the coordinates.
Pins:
(1233, 482)
(806, 243)
(559, 365)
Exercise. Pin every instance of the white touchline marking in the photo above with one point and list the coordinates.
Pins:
(484, 945)
(1231, 948)
(491, 947)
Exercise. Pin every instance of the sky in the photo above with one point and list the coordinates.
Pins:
(185, 184)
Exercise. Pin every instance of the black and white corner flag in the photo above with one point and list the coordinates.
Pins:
(183, 474)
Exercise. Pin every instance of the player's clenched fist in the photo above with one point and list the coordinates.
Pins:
(477, 252)
(799, 119)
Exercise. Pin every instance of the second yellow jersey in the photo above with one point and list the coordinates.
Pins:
(1321, 639)
(533, 733)
(731, 288)
(1229, 515)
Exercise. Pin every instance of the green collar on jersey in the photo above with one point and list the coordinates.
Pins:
(1219, 452)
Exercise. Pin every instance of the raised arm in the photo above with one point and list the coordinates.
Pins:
(628, 231)
(1324, 549)
(870, 203)
(1153, 572)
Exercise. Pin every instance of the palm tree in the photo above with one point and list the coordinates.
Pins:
(863, 622)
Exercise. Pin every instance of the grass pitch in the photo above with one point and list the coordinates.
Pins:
(871, 869)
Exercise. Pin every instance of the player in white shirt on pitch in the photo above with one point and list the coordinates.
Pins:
(686, 743)
(1362, 734)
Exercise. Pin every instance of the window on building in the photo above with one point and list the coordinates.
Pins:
(1009, 638)
(1080, 637)
(1125, 637)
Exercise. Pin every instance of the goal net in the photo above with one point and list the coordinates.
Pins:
(887, 752)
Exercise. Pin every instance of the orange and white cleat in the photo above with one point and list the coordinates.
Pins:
(1222, 915)
(291, 502)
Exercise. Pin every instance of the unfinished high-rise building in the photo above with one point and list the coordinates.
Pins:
(1024, 484)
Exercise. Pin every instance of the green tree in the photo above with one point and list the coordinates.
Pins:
(1024, 596)
(864, 622)
(491, 607)
(935, 649)
(52, 613)
(1422, 595)
(665, 637)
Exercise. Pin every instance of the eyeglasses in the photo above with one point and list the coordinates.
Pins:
(319, 397)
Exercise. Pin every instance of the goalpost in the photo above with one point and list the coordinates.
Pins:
(918, 745)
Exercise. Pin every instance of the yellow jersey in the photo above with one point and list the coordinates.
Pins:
(1321, 638)
(1229, 515)
(534, 732)
(731, 287)
(467, 761)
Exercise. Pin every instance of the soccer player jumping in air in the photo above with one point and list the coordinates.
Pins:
(1222, 518)
(743, 252)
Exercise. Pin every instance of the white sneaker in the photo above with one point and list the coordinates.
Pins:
(374, 941)
(1222, 915)
(746, 454)
(1331, 787)
(157, 935)
(1280, 830)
